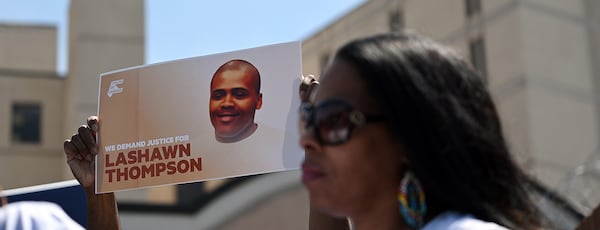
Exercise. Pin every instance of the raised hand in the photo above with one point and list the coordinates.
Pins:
(307, 86)
(81, 150)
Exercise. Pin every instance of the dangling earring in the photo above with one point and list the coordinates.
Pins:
(412, 200)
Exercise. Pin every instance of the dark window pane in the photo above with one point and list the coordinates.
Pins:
(472, 7)
(323, 61)
(477, 52)
(26, 122)
(396, 20)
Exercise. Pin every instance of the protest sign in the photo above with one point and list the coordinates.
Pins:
(200, 118)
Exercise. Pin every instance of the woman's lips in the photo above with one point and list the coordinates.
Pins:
(311, 172)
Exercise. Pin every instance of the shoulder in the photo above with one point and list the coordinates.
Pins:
(35, 215)
(457, 221)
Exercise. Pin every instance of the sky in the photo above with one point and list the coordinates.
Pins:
(186, 28)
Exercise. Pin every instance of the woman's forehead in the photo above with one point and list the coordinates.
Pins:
(342, 81)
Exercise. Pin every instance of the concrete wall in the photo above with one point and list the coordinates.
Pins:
(28, 47)
(287, 209)
(370, 18)
(563, 118)
(541, 62)
(103, 36)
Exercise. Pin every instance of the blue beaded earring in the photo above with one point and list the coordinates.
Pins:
(412, 201)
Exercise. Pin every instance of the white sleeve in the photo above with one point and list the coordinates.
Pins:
(456, 221)
(30, 215)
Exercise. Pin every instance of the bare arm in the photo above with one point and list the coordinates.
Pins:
(81, 150)
(102, 211)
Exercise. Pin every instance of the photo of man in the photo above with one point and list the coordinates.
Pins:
(234, 98)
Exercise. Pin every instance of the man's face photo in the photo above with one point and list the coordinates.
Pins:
(234, 97)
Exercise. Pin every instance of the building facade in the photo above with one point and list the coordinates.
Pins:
(539, 59)
(31, 106)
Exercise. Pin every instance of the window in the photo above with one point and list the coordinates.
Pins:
(396, 20)
(472, 7)
(477, 53)
(26, 123)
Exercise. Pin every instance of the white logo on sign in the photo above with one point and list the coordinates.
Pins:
(114, 89)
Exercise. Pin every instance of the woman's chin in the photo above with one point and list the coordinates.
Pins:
(326, 206)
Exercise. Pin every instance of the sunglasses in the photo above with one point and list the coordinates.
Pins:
(332, 122)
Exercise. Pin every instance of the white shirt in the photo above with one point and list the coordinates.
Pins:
(266, 150)
(33, 215)
(456, 221)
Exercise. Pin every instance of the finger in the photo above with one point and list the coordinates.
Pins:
(92, 122)
(303, 88)
(308, 79)
(313, 86)
(302, 92)
(80, 146)
(305, 82)
(71, 151)
(307, 94)
(85, 134)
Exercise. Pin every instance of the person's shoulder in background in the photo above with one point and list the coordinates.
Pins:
(32, 215)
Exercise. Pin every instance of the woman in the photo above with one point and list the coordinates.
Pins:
(402, 134)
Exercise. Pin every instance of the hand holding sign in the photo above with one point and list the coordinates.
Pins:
(81, 150)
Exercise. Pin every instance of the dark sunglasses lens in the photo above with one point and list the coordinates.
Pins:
(333, 123)
(305, 119)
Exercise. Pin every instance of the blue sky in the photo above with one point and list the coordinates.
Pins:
(187, 28)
